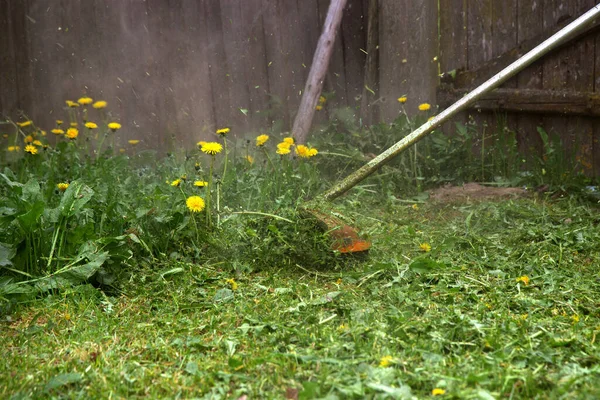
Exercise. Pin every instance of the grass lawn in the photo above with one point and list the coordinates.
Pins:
(458, 300)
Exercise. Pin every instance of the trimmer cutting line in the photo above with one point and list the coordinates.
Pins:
(346, 238)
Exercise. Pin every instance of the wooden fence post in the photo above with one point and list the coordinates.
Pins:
(314, 82)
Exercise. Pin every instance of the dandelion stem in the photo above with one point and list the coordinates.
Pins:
(54, 244)
(225, 162)
(208, 190)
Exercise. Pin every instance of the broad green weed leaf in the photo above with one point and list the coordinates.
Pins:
(223, 296)
(7, 253)
(74, 198)
(83, 272)
(12, 184)
(402, 392)
(29, 219)
(191, 368)
(31, 192)
(63, 380)
(425, 265)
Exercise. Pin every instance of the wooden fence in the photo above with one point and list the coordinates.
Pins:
(179, 69)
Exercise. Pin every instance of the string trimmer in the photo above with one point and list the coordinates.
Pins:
(346, 238)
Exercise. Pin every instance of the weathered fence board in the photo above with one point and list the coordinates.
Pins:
(408, 44)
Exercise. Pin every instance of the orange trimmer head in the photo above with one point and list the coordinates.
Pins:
(344, 238)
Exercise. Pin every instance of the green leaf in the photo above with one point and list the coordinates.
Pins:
(81, 273)
(11, 184)
(31, 192)
(223, 296)
(402, 392)
(172, 271)
(75, 197)
(63, 380)
(425, 265)
(191, 368)
(29, 219)
(7, 252)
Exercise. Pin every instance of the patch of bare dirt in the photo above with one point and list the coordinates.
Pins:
(474, 192)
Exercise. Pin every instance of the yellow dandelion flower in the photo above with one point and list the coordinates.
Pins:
(524, 279)
(62, 186)
(200, 183)
(114, 126)
(122, 150)
(195, 203)
(31, 149)
(305, 151)
(5, 135)
(288, 140)
(100, 104)
(133, 142)
(424, 106)
(72, 133)
(37, 143)
(232, 282)
(43, 133)
(72, 104)
(24, 123)
(285, 145)
(261, 140)
(176, 182)
(283, 151)
(415, 207)
(386, 361)
(201, 143)
(57, 131)
(437, 392)
(13, 148)
(319, 107)
(322, 100)
(402, 99)
(59, 122)
(28, 139)
(84, 101)
(426, 247)
(91, 125)
(223, 131)
(250, 159)
(575, 318)
(73, 124)
(211, 148)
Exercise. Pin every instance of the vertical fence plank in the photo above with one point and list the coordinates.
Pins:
(219, 69)
(453, 46)
(191, 77)
(335, 82)
(278, 71)
(596, 122)
(408, 42)
(504, 38)
(20, 30)
(308, 13)
(353, 29)
(480, 50)
(8, 77)
(256, 63)
(236, 56)
(453, 35)
(569, 69)
(529, 24)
